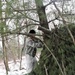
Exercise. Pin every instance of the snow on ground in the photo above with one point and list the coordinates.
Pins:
(14, 68)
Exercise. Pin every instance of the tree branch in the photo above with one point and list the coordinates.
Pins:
(43, 29)
(21, 13)
(45, 69)
(18, 29)
(50, 3)
(24, 10)
(70, 33)
(53, 19)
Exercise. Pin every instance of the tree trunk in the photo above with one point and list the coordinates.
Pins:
(5, 57)
(41, 68)
(47, 58)
(2, 28)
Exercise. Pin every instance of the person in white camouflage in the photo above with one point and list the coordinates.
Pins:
(30, 52)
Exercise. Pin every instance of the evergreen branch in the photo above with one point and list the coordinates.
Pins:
(54, 58)
(70, 33)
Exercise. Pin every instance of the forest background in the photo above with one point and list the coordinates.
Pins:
(54, 21)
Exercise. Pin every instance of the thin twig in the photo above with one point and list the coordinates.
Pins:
(45, 69)
(21, 13)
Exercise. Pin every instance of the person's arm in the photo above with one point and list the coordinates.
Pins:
(39, 44)
(35, 43)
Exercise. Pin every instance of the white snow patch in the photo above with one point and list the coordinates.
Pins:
(14, 68)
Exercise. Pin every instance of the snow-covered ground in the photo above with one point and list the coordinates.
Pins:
(14, 68)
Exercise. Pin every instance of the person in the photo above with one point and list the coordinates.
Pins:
(30, 52)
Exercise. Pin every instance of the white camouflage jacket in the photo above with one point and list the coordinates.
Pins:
(31, 46)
